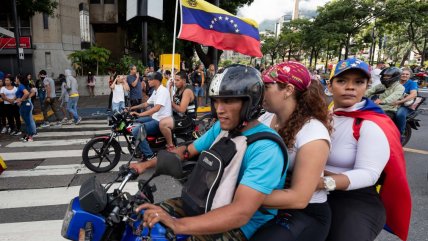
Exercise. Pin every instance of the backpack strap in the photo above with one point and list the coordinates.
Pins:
(356, 128)
(275, 138)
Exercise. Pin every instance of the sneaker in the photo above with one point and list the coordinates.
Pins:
(144, 159)
(45, 124)
(35, 134)
(70, 122)
(30, 139)
(58, 124)
(64, 121)
(23, 139)
(78, 120)
(17, 133)
(4, 130)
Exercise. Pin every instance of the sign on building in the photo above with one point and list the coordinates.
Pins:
(10, 43)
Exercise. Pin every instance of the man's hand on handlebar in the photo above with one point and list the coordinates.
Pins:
(139, 167)
(133, 113)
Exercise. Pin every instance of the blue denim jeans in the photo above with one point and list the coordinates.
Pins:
(26, 112)
(400, 118)
(72, 107)
(152, 128)
(42, 95)
(118, 107)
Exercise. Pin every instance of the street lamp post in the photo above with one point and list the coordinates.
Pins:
(15, 19)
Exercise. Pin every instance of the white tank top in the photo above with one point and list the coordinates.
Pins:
(118, 94)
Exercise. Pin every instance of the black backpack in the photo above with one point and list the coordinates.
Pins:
(199, 191)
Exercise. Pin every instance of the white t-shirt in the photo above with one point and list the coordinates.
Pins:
(118, 93)
(311, 131)
(10, 94)
(376, 77)
(161, 97)
(363, 161)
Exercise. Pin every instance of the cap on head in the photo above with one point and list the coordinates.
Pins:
(351, 63)
(289, 72)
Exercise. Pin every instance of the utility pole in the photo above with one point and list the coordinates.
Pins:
(296, 10)
(15, 19)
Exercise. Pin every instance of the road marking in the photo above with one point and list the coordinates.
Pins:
(415, 151)
(34, 231)
(53, 170)
(48, 196)
(53, 143)
(68, 133)
(64, 127)
(31, 155)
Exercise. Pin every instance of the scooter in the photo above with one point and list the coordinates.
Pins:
(97, 214)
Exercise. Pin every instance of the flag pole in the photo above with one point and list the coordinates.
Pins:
(173, 43)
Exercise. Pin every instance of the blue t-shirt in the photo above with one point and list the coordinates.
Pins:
(409, 86)
(20, 91)
(261, 169)
(135, 93)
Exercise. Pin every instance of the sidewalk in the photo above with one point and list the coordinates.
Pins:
(96, 108)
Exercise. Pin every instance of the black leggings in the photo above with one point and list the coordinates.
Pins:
(3, 122)
(309, 224)
(357, 215)
(13, 117)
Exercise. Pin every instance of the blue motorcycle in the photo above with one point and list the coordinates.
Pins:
(97, 214)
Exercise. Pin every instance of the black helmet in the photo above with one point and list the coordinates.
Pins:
(239, 81)
(395, 74)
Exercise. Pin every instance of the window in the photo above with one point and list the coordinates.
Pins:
(45, 21)
(108, 1)
(95, 1)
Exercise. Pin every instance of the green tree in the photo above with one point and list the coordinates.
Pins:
(270, 46)
(99, 55)
(27, 8)
(78, 59)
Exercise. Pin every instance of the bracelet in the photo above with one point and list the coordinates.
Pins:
(186, 153)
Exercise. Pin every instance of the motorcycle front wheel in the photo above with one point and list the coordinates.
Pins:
(99, 156)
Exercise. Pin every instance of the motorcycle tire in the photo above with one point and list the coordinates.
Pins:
(407, 134)
(93, 145)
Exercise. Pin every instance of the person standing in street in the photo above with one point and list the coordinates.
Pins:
(118, 87)
(23, 100)
(8, 94)
(91, 84)
(133, 80)
(376, 73)
(64, 100)
(50, 99)
(208, 79)
(198, 81)
(73, 93)
(41, 93)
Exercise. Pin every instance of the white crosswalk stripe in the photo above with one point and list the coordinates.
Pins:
(19, 191)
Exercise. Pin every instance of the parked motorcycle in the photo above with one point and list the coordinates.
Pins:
(97, 214)
(103, 152)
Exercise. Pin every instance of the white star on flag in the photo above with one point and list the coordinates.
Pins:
(220, 17)
(227, 18)
(211, 26)
(231, 21)
(237, 30)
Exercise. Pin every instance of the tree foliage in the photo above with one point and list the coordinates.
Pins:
(88, 59)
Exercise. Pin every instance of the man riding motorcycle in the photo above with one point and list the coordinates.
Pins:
(388, 92)
(183, 105)
(236, 94)
(151, 118)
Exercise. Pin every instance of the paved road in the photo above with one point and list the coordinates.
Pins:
(34, 193)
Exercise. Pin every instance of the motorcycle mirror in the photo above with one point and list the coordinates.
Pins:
(169, 163)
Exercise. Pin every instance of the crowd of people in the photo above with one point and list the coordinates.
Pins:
(18, 96)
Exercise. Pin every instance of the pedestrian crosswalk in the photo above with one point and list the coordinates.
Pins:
(26, 189)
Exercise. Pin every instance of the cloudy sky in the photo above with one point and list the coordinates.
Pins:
(261, 10)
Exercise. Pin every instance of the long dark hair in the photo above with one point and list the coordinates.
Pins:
(309, 104)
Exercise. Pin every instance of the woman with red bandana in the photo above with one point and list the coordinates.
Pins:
(298, 112)
(365, 151)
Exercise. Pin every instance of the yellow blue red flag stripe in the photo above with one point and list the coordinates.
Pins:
(209, 25)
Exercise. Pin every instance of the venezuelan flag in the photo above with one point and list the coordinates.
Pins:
(207, 24)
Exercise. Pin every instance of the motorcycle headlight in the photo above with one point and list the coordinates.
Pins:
(67, 219)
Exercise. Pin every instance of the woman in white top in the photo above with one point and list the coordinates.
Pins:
(10, 107)
(119, 86)
(354, 166)
(298, 112)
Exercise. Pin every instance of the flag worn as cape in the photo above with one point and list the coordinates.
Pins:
(207, 24)
(395, 191)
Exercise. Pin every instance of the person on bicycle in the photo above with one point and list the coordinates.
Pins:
(236, 94)
(183, 105)
(161, 102)
(387, 93)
